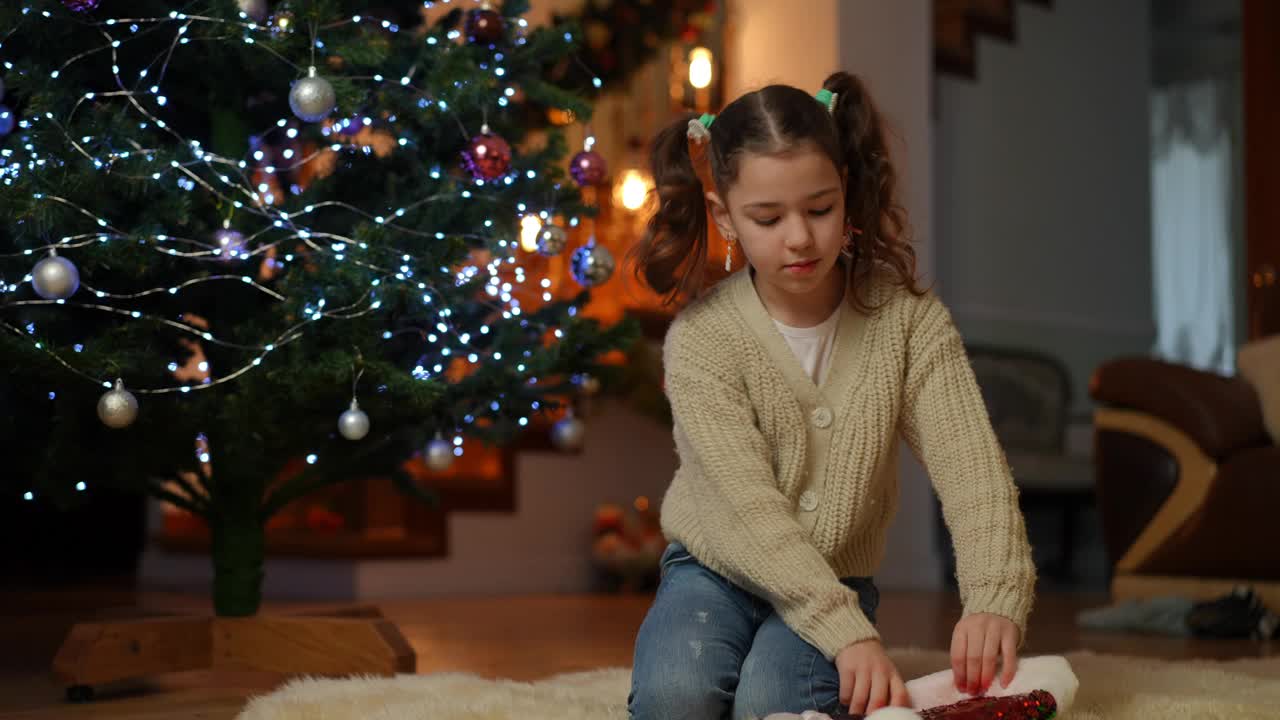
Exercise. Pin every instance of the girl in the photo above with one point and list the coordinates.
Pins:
(790, 383)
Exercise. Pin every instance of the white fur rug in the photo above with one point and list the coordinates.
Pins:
(1111, 688)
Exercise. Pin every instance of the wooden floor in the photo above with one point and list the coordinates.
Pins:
(523, 638)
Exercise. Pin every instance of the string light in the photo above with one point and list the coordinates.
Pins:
(267, 228)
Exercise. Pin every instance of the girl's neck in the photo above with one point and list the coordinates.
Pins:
(805, 310)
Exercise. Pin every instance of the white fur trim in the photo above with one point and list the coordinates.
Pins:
(894, 713)
(1051, 673)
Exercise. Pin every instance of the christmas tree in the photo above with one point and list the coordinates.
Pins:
(239, 232)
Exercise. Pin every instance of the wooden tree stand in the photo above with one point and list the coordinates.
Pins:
(342, 642)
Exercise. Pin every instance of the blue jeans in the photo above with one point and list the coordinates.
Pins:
(708, 650)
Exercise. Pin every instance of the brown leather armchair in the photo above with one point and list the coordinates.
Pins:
(1188, 481)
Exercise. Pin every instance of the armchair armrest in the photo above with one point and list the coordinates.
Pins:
(1141, 510)
(1220, 414)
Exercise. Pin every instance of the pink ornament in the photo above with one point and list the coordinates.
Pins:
(588, 168)
(487, 156)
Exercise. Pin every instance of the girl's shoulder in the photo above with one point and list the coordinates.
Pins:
(891, 297)
(710, 321)
(902, 313)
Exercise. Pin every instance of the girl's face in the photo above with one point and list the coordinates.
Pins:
(786, 212)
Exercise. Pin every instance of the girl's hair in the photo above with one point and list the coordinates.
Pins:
(671, 257)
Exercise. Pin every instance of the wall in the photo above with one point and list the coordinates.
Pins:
(1043, 211)
(766, 45)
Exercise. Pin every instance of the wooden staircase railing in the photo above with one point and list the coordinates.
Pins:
(372, 518)
(957, 23)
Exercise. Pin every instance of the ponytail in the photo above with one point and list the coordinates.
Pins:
(871, 202)
(671, 256)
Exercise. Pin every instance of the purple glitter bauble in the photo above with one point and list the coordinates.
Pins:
(80, 5)
(229, 245)
(588, 168)
(487, 157)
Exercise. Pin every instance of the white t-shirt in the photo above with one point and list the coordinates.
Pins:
(813, 345)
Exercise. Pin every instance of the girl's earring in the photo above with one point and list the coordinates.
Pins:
(728, 253)
(849, 232)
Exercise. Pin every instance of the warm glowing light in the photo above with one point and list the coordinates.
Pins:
(700, 67)
(530, 225)
(561, 117)
(635, 188)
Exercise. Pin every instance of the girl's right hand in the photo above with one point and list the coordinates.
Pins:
(868, 678)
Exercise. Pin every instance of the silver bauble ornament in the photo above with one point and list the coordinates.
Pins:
(55, 278)
(438, 455)
(228, 244)
(354, 422)
(117, 408)
(568, 433)
(551, 240)
(591, 264)
(312, 98)
(255, 9)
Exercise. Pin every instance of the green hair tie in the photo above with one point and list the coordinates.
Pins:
(827, 98)
(700, 128)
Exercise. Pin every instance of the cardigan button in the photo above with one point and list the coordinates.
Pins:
(808, 501)
(821, 417)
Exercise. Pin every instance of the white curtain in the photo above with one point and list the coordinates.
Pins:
(1191, 221)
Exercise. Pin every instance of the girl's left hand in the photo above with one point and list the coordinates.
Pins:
(978, 641)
